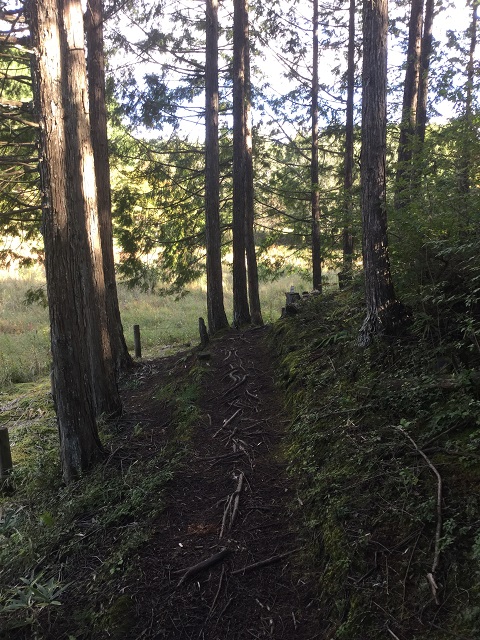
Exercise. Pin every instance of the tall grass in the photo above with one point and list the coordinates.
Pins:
(164, 321)
(24, 330)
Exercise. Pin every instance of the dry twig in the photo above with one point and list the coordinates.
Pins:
(204, 564)
(264, 563)
(438, 531)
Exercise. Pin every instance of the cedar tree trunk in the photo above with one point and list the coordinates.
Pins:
(384, 313)
(98, 122)
(241, 312)
(64, 228)
(469, 134)
(409, 108)
(82, 203)
(346, 276)
(425, 55)
(217, 318)
(253, 290)
(315, 201)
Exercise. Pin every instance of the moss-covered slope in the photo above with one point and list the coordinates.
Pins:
(385, 447)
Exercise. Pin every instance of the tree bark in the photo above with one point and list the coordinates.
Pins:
(252, 268)
(469, 134)
(98, 122)
(217, 318)
(314, 173)
(241, 312)
(346, 276)
(67, 186)
(82, 203)
(409, 108)
(385, 315)
(425, 55)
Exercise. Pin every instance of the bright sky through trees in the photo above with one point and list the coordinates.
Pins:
(270, 68)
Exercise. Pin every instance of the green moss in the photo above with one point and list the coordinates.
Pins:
(368, 498)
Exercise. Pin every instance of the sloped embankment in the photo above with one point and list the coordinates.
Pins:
(386, 446)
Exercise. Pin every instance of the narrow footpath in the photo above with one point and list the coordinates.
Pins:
(224, 562)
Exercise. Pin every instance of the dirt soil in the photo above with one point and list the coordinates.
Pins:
(230, 508)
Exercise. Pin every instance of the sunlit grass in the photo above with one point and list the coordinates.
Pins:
(24, 331)
(169, 321)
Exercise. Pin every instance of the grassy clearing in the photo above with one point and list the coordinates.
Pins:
(24, 334)
(164, 321)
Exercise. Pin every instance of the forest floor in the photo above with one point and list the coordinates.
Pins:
(280, 483)
(228, 506)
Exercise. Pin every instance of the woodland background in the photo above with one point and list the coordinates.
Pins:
(383, 444)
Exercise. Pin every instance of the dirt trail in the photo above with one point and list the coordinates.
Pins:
(230, 499)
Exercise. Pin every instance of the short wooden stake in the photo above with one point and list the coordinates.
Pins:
(204, 340)
(136, 340)
(5, 455)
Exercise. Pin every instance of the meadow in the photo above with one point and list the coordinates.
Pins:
(165, 323)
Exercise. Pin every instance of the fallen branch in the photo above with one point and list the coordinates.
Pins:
(227, 422)
(264, 563)
(236, 500)
(438, 531)
(394, 635)
(204, 564)
(225, 514)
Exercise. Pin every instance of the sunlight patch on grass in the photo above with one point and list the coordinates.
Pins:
(165, 322)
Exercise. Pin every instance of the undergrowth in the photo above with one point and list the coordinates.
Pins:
(66, 552)
(373, 432)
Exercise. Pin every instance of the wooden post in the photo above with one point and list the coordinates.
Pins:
(204, 340)
(5, 456)
(137, 342)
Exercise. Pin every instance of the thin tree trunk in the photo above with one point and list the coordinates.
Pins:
(346, 276)
(64, 232)
(252, 271)
(241, 312)
(409, 108)
(466, 160)
(217, 318)
(384, 313)
(98, 121)
(426, 54)
(315, 201)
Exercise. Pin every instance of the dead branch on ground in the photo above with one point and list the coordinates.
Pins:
(438, 531)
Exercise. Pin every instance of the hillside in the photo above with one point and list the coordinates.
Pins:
(331, 490)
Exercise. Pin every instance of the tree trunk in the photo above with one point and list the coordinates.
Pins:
(425, 55)
(217, 318)
(241, 312)
(98, 122)
(409, 108)
(384, 313)
(469, 134)
(346, 276)
(82, 203)
(63, 120)
(252, 272)
(315, 201)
